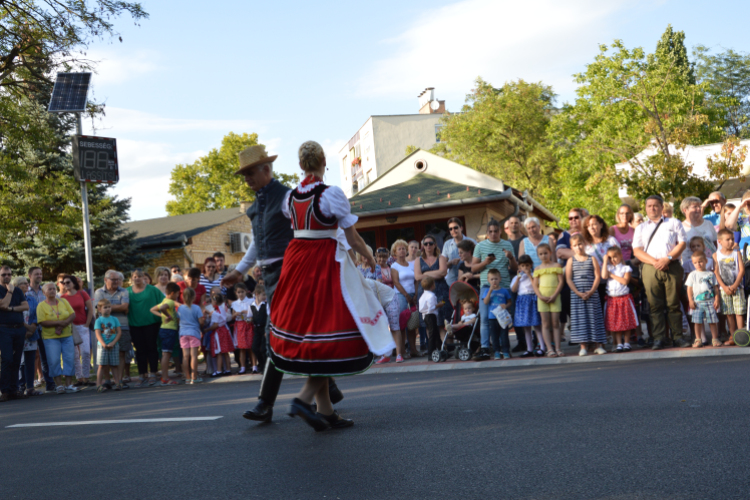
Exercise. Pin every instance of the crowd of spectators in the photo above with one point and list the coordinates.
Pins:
(601, 281)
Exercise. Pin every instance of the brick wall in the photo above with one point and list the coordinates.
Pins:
(217, 240)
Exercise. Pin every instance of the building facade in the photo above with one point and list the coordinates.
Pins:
(382, 141)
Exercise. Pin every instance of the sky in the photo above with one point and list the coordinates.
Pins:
(296, 71)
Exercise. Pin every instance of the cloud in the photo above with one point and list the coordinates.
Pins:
(113, 67)
(145, 169)
(332, 148)
(498, 40)
(130, 120)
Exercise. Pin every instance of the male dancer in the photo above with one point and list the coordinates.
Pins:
(272, 232)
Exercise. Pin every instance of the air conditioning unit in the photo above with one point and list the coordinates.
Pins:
(240, 242)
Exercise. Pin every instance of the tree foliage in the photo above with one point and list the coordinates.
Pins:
(727, 79)
(503, 132)
(209, 183)
(629, 101)
(728, 163)
(38, 37)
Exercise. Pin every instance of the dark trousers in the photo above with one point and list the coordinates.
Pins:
(663, 291)
(499, 336)
(29, 367)
(433, 333)
(271, 383)
(259, 347)
(11, 350)
(49, 381)
(144, 342)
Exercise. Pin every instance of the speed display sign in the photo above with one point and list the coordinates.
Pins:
(95, 159)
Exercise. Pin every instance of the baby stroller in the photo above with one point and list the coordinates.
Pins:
(464, 343)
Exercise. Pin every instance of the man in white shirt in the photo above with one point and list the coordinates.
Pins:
(659, 243)
(696, 225)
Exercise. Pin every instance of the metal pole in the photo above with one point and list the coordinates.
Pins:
(86, 225)
(87, 239)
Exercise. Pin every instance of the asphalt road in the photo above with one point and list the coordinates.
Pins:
(643, 429)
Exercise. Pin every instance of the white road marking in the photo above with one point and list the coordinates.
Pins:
(100, 422)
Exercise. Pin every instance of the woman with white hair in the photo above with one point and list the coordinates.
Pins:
(533, 240)
(325, 319)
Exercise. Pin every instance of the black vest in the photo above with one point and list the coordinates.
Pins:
(272, 232)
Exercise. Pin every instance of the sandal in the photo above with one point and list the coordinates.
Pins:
(560, 354)
(551, 354)
(717, 343)
(698, 343)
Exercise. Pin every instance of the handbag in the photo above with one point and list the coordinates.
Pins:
(77, 340)
(409, 318)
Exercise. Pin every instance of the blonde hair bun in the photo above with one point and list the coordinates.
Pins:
(311, 156)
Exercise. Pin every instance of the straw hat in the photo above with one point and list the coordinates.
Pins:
(252, 157)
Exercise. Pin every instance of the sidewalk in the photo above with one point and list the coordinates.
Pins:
(571, 356)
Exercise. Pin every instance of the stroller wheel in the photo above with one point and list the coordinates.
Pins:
(443, 355)
(435, 356)
(464, 354)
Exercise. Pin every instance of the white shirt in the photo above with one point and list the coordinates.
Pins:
(614, 288)
(333, 203)
(525, 286)
(707, 231)
(240, 306)
(669, 235)
(405, 275)
(468, 317)
(427, 303)
(218, 318)
(599, 250)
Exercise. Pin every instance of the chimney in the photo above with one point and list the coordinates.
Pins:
(244, 205)
(427, 103)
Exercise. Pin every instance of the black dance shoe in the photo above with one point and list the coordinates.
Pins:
(301, 409)
(263, 412)
(336, 422)
(334, 392)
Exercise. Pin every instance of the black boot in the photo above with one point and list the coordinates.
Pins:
(263, 412)
(336, 422)
(334, 392)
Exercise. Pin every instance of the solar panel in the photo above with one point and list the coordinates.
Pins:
(69, 93)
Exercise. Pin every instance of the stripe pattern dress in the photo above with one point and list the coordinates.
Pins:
(586, 318)
(313, 331)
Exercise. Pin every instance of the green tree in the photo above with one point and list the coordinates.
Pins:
(209, 183)
(410, 149)
(727, 77)
(503, 132)
(629, 101)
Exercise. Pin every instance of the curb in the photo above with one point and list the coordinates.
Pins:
(706, 352)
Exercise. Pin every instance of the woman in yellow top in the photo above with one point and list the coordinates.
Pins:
(548, 283)
(55, 317)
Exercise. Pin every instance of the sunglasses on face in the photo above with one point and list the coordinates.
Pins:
(67, 282)
(453, 228)
(574, 218)
(5, 274)
(428, 243)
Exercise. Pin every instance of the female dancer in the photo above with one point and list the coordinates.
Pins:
(325, 320)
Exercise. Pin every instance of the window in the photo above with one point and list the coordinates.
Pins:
(438, 128)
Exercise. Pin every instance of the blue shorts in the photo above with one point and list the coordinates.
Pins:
(168, 338)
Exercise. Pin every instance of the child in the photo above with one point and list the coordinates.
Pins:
(526, 319)
(428, 309)
(207, 310)
(496, 296)
(703, 294)
(469, 316)
(243, 326)
(167, 311)
(619, 310)
(548, 283)
(108, 331)
(259, 312)
(730, 271)
(191, 319)
(221, 340)
(697, 244)
(583, 275)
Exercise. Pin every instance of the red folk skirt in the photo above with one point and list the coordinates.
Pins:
(619, 314)
(221, 341)
(244, 333)
(312, 330)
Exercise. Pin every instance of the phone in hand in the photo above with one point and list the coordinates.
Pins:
(491, 255)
